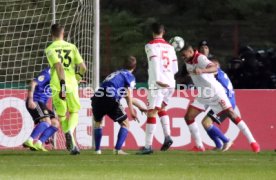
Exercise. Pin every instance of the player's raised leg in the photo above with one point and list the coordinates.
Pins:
(244, 129)
(190, 116)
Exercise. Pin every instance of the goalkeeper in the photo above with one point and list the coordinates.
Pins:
(64, 58)
(44, 118)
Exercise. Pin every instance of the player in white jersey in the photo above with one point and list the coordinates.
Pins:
(210, 94)
(162, 66)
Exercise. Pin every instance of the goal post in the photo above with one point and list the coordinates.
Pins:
(24, 35)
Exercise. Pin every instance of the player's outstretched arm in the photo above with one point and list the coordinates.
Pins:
(164, 85)
(31, 103)
(211, 68)
(129, 100)
(138, 105)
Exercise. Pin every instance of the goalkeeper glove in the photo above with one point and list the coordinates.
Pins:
(62, 93)
(79, 77)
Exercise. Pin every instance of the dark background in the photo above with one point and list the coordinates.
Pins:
(228, 26)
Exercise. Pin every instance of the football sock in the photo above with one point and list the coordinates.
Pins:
(216, 135)
(48, 133)
(150, 128)
(165, 121)
(73, 121)
(64, 124)
(245, 130)
(98, 133)
(38, 142)
(195, 133)
(39, 129)
(122, 135)
(219, 134)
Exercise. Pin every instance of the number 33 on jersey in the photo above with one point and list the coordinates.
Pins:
(69, 56)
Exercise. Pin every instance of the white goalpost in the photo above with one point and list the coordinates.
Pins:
(24, 34)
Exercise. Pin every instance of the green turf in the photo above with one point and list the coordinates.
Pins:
(171, 165)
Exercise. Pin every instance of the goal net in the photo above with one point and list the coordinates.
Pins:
(24, 34)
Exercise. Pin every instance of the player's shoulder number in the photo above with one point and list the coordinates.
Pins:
(64, 56)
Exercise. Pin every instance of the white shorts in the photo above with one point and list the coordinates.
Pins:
(159, 97)
(219, 103)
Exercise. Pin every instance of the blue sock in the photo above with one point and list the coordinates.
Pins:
(220, 135)
(214, 137)
(98, 133)
(39, 129)
(122, 135)
(47, 133)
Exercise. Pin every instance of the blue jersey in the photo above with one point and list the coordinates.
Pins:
(116, 83)
(224, 80)
(42, 90)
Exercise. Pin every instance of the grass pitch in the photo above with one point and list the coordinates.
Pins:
(171, 165)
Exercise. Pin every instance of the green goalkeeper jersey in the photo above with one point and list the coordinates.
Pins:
(69, 56)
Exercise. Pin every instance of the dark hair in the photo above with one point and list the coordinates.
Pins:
(202, 43)
(214, 59)
(186, 47)
(157, 28)
(56, 30)
(130, 63)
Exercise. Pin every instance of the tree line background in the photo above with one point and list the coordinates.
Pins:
(226, 25)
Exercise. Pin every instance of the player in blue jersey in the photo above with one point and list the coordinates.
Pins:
(44, 119)
(106, 101)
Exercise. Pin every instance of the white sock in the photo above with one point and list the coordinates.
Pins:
(246, 131)
(38, 142)
(150, 128)
(165, 121)
(30, 139)
(195, 134)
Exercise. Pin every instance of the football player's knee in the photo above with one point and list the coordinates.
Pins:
(46, 119)
(152, 113)
(189, 117)
(125, 124)
(206, 123)
(97, 124)
(55, 122)
(231, 114)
